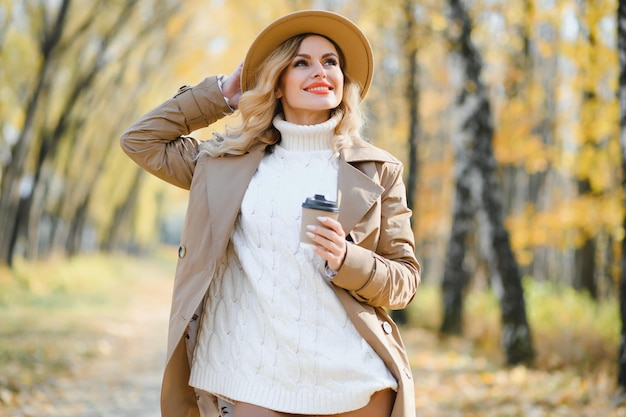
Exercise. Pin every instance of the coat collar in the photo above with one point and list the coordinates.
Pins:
(364, 151)
(357, 190)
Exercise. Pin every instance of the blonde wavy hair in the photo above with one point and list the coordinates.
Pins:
(257, 116)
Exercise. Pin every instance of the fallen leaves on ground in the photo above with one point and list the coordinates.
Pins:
(452, 381)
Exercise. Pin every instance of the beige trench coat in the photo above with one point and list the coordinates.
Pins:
(380, 270)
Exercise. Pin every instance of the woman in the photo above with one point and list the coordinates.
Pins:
(262, 324)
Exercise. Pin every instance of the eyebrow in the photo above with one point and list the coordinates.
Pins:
(326, 55)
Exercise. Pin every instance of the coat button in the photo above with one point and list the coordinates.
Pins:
(387, 328)
(182, 251)
(181, 90)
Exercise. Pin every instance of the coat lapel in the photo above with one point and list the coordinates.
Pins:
(227, 179)
(356, 193)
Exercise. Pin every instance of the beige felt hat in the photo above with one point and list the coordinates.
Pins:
(353, 43)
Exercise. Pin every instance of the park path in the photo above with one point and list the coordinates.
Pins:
(124, 378)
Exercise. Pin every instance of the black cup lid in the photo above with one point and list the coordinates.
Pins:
(319, 202)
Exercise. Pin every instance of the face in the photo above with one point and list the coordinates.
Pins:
(312, 84)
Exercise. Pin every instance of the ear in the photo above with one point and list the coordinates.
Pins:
(278, 93)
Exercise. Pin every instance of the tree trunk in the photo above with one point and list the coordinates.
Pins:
(62, 129)
(516, 336)
(455, 275)
(585, 268)
(475, 137)
(621, 46)
(74, 241)
(123, 216)
(11, 178)
(412, 101)
(585, 255)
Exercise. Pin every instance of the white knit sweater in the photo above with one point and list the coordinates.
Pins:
(273, 332)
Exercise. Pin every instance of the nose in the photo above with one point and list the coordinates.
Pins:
(319, 70)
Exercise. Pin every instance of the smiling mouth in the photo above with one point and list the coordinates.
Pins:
(319, 89)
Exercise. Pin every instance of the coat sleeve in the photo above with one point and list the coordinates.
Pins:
(157, 141)
(388, 276)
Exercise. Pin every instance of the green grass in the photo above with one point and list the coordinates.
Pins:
(569, 329)
(46, 307)
(60, 284)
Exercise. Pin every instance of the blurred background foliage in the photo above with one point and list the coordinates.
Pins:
(75, 73)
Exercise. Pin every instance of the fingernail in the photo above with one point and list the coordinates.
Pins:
(322, 218)
(310, 235)
(310, 227)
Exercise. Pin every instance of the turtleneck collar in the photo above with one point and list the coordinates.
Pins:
(296, 137)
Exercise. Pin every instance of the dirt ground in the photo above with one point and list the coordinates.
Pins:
(124, 378)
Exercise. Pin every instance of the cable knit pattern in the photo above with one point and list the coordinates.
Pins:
(273, 332)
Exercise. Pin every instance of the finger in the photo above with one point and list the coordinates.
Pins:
(332, 224)
(324, 234)
(328, 244)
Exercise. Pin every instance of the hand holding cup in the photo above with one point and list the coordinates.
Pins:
(321, 229)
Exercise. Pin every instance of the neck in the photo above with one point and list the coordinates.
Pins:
(307, 118)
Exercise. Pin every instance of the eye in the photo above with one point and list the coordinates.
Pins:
(331, 62)
(300, 63)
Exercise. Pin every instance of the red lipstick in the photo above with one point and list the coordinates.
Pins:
(319, 88)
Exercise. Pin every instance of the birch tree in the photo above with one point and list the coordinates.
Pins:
(479, 193)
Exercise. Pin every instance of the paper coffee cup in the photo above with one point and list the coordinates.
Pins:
(312, 208)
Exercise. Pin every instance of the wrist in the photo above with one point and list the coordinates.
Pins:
(221, 79)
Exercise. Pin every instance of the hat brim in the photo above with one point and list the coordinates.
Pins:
(356, 49)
